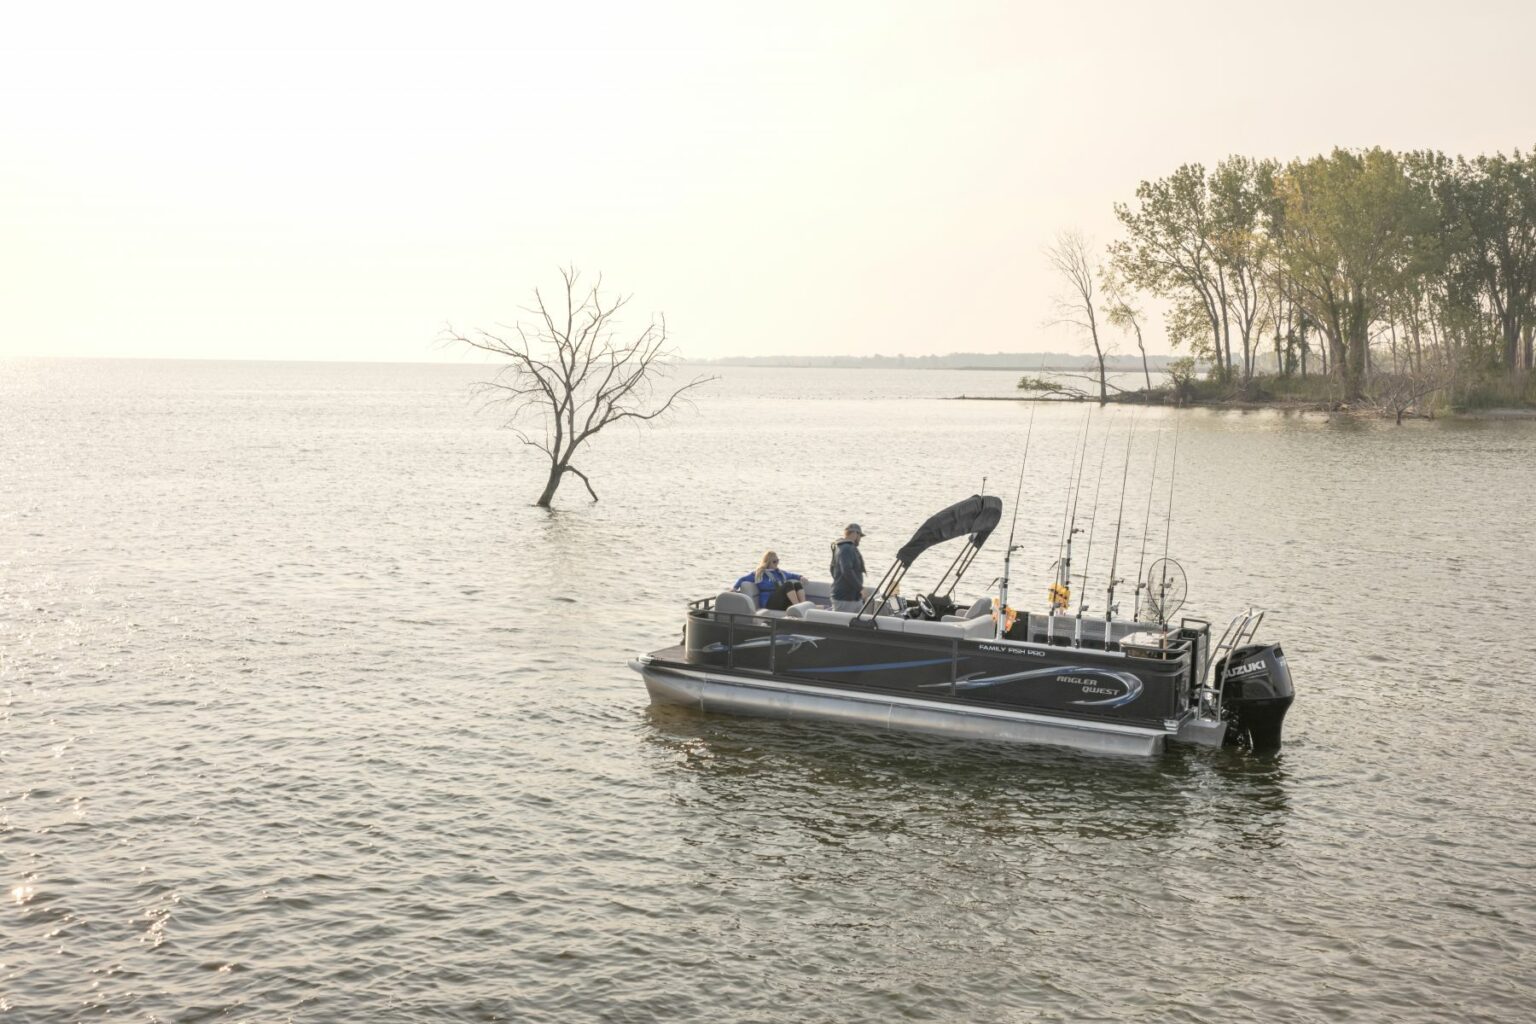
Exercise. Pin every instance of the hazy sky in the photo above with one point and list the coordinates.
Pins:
(301, 181)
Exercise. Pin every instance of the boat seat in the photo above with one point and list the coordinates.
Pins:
(826, 615)
(924, 628)
(979, 607)
(797, 611)
(960, 629)
(770, 613)
(980, 628)
(812, 590)
(888, 623)
(732, 603)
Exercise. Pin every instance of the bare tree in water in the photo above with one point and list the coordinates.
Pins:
(572, 369)
(1076, 304)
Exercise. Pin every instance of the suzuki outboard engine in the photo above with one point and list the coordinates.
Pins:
(1256, 693)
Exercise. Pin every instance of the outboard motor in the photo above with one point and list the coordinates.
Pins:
(1256, 693)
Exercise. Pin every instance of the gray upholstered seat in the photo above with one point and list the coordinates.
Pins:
(819, 591)
(750, 589)
(979, 607)
(733, 603)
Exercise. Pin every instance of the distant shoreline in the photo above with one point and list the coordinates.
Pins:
(1008, 362)
(1278, 405)
(716, 364)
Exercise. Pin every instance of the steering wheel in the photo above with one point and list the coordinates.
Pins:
(926, 607)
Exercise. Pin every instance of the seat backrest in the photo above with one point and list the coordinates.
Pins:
(797, 611)
(954, 630)
(735, 604)
(979, 607)
(827, 615)
(750, 589)
(887, 623)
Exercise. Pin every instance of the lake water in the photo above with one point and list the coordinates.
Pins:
(306, 714)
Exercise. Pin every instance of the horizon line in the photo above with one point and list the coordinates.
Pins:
(761, 362)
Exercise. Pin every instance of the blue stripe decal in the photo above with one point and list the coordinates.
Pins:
(874, 668)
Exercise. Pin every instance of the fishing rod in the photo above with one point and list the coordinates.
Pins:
(1002, 595)
(1162, 592)
(1082, 603)
(1114, 560)
(1146, 526)
(1061, 590)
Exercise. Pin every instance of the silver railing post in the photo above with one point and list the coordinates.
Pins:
(954, 664)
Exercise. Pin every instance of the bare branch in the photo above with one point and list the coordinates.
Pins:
(572, 369)
(573, 469)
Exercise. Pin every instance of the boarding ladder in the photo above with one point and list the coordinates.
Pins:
(1239, 632)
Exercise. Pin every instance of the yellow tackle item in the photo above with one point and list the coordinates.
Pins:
(1060, 596)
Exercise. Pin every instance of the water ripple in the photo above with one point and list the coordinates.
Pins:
(305, 715)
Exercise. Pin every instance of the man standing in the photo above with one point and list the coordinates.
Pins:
(848, 571)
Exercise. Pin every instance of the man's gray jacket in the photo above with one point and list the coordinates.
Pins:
(847, 571)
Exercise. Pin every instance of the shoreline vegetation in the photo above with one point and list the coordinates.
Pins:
(1365, 280)
(1398, 395)
(1277, 401)
(1036, 362)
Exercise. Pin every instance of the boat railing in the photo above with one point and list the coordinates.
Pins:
(784, 634)
(1239, 633)
(737, 622)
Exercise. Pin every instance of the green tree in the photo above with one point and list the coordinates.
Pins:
(1353, 223)
(1167, 251)
(1242, 196)
(1491, 203)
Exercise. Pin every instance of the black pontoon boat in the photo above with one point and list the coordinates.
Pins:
(1100, 684)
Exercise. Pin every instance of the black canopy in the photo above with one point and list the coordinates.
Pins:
(976, 515)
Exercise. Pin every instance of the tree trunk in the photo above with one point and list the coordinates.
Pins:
(1356, 346)
(556, 471)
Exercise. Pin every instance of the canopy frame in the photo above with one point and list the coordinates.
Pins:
(976, 516)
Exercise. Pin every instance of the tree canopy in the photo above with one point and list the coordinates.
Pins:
(1409, 256)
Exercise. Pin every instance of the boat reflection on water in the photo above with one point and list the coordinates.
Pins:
(855, 783)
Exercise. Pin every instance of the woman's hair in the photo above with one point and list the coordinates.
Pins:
(762, 566)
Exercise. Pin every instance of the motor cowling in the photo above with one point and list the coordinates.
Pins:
(1256, 693)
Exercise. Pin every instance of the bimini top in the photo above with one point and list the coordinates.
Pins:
(976, 515)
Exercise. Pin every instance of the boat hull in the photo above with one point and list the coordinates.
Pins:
(714, 690)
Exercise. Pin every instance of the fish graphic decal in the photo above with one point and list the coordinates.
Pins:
(794, 641)
(1082, 675)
